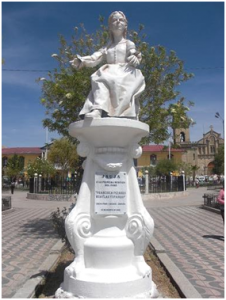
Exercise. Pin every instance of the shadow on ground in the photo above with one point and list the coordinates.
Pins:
(41, 228)
(53, 280)
(216, 237)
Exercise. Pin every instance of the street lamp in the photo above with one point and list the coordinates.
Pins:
(170, 140)
(218, 116)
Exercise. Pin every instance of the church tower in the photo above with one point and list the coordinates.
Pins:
(181, 135)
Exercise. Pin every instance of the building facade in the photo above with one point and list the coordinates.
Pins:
(26, 154)
(200, 153)
(152, 154)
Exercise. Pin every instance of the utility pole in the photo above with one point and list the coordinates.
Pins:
(218, 116)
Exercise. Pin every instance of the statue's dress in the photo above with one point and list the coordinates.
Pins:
(116, 85)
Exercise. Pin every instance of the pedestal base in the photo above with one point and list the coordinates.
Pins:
(109, 228)
(142, 288)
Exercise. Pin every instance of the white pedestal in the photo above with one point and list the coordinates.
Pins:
(109, 228)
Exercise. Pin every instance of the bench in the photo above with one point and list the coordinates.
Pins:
(211, 200)
(6, 202)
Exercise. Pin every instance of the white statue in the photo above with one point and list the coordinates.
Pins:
(117, 84)
(109, 228)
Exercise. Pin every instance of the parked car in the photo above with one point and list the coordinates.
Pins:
(201, 178)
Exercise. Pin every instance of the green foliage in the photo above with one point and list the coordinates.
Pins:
(165, 166)
(15, 166)
(187, 168)
(58, 218)
(63, 153)
(151, 170)
(40, 166)
(161, 105)
(219, 161)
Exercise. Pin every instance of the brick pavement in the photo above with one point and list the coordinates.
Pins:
(193, 239)
(191, 236)
(27, 238)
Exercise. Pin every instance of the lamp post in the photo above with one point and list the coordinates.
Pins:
(171, 181)
(40, 183)
(183, 175)
(218, 116)
(146, 182)
(35, 183)
(170, 141)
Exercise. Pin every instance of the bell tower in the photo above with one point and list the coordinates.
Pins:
(181, 135)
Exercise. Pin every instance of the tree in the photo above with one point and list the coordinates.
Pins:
(194, 169)
(187, 168)
(63, 153)
(40, 166)
(15, 166)
(165, 166)
(219, 161)
(151, 170)
(161, 105)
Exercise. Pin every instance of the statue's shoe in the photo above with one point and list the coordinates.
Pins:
(95, 114)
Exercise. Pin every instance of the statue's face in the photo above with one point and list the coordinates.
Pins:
(118, 23)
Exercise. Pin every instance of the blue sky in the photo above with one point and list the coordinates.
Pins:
(195, 30)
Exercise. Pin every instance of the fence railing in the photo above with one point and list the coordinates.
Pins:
(163, 184)
(53, 186)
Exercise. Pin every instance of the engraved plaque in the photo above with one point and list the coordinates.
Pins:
(110, 193)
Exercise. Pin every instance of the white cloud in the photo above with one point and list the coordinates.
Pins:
(22, 79)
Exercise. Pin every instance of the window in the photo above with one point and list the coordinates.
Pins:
(212, 149)
(171, 156)
(153, 159)
(182, 137)
(4, 161)
(212, 140)
(193, 156)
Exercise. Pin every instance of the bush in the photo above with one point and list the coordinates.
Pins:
(58, 220)
(165, 166)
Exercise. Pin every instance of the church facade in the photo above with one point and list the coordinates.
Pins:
(200, 153)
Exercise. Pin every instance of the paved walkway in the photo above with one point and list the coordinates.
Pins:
(193, 239)
(191, 236)
(27, 238)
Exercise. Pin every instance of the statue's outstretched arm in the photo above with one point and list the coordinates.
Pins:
(87, 61)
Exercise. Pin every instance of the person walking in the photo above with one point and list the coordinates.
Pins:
(12, 186)
(197, 183)
(220, 200)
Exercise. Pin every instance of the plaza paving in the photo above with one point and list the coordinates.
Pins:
(27, 238)
(192, 238)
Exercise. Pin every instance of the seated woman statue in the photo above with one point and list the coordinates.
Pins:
(117, 84)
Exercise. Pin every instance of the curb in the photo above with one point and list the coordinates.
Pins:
(183, 285)
(215, 210)
(29, 288)
(169, 195)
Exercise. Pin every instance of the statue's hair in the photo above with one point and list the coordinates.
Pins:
(109, 24)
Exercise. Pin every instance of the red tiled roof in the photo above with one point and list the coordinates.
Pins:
(22, 150)
(159, 148)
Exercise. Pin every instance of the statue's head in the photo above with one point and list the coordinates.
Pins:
(117, 15)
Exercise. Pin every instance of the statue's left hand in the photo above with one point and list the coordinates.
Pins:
(133, 60)
(76, 62)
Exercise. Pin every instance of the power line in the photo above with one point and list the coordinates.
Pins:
(14, 70)
(28, 70)
(204, 68)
